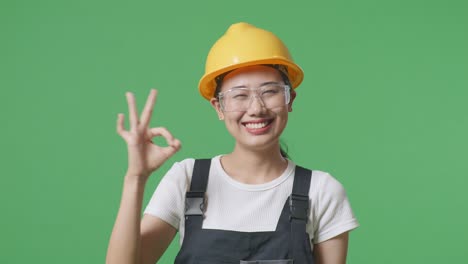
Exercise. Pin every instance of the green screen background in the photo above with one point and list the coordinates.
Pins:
(383, 108)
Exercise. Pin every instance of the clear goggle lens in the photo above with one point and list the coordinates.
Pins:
(240, 99)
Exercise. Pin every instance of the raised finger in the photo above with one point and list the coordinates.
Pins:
(148, 110)
(171, 149)
(161, 131)
(120, 123)
(175, 144)
(133, 114)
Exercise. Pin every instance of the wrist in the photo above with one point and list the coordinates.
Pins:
(138, 180)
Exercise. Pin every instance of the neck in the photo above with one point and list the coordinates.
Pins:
(254, 166)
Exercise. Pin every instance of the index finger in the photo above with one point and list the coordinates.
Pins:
(133, 115)
(148, 109)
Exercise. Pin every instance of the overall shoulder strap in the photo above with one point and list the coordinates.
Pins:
(201, 169)
(299, 203)
(195, 197)
(299, 208)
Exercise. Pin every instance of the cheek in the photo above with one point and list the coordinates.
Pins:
(282, 117)
(282, 112)
(232, 116)
(232, 121)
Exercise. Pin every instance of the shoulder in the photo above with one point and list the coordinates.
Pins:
(325, 190)
(182, 170)
(178, 175)
(323, 183)
(185, 166)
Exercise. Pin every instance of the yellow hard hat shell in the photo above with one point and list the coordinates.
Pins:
(245, 45)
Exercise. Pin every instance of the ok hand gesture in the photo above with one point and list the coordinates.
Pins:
(144, 156)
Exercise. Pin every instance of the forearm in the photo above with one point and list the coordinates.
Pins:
(124, 244)
(332, 251)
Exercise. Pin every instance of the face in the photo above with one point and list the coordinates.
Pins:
(258, 127)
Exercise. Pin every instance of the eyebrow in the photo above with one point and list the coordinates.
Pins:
(262, 84)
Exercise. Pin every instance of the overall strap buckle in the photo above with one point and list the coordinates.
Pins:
(194, 203)
(299, 207)
(195, 197)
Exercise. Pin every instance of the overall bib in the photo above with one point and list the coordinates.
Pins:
(288, 244)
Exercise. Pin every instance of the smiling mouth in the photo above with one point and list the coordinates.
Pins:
(257, 125)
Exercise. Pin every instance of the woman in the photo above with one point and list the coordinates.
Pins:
(252, 205)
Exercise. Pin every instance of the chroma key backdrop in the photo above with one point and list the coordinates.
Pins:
(383, 108)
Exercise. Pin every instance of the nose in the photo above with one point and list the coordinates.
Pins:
(256, 105)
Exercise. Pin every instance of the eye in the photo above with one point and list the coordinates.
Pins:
(238, 94)
(271, 90)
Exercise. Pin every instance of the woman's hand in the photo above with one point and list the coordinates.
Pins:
(144, 156)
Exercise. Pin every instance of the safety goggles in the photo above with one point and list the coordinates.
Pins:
(269, 95)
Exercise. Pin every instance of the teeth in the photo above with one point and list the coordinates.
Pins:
(256, 125)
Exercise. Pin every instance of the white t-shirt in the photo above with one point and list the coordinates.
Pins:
(235, 206)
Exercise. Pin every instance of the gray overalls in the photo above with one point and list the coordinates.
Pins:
(289, 243)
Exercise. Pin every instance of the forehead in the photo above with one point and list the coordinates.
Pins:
(251, 76)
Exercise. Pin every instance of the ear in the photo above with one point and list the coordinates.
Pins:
(215, 104)
(293, 96)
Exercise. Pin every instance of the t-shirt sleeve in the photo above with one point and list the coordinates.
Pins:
(166, 202)
(333, 213)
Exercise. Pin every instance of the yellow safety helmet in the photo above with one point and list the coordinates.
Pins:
(245, 45)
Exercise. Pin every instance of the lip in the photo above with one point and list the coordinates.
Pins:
(258, 131)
